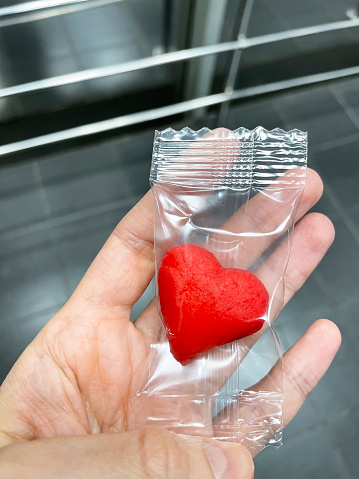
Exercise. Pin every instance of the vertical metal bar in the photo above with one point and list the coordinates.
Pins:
(167, 25)
(207, 26)
(236, 60)
(183, 13)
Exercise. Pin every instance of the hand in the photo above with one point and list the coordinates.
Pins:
(81, 373)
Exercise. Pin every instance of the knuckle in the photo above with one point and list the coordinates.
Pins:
(294, 279)
(301, 382)
(161, 455)
(260, 220)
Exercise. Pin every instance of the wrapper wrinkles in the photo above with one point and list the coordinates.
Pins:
(254, 158)
(201, 181)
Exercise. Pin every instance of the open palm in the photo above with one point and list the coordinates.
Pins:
(82, 372)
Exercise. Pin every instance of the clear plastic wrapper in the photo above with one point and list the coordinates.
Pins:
(225, 203)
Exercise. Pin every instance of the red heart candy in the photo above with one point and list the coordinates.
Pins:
(205, 305)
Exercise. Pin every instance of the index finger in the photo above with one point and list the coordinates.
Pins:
(262, 220)
(125, 265)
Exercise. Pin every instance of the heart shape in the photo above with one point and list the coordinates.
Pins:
(205, 305)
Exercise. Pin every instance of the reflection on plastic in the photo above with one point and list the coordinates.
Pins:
(234, 193)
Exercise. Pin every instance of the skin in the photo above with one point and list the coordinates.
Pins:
(80, 375)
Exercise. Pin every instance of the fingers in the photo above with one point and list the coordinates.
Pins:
(304, 364)
(229, 460)
(148, 453)
(262, 220)
(125, 265)
(312, 237)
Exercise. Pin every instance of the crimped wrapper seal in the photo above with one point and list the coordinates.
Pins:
(242, 159)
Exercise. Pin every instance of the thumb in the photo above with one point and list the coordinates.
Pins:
(148, 453)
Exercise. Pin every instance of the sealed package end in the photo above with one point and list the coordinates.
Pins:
(225, 204)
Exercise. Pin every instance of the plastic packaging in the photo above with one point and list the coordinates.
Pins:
(233, 194)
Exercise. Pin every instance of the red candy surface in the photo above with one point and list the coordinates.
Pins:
(205, 305)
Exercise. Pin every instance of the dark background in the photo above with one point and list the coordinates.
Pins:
(59, 203)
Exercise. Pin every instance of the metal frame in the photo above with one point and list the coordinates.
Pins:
(172, 57)
(35, 5)
(22, 13)
(178, 56)
(175, 109)
(207, 24)
(236, 59)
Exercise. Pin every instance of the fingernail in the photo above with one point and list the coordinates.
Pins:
(229, 460)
